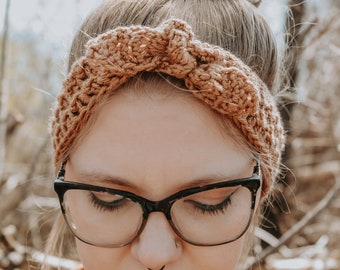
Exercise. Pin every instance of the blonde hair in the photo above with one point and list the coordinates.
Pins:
(234, 25)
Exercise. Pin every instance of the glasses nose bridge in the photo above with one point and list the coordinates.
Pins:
(160, 206)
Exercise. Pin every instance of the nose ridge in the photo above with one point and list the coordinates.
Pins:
(156, 245)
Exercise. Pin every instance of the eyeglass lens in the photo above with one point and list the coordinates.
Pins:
(204, 218)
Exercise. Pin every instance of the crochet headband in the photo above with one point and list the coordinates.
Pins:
(216, 76)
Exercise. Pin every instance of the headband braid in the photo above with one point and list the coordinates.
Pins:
(215, 76)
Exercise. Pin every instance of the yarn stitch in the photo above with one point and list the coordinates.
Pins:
(215, 76)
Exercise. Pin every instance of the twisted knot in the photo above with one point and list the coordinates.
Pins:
(126, 51)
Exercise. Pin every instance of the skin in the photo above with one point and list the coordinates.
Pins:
(157, 145)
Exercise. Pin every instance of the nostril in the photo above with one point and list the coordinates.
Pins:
(159, 269)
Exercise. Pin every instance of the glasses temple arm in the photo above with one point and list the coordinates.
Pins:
(61, 172)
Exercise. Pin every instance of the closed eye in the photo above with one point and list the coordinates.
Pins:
(213, 209)
(106, 201)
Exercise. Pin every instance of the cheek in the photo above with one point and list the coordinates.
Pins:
(94, 258)
(224, 257)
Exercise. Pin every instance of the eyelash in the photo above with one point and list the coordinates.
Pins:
(106, 206)
(116, 205)
(213, 209)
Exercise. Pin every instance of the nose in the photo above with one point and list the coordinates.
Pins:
(157, 245)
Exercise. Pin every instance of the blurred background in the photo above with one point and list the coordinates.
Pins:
(302, 224)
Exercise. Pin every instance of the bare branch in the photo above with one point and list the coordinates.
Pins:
(22, 188)
(7, 235)
(301, 224)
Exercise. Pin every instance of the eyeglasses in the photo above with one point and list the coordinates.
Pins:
(208, 215)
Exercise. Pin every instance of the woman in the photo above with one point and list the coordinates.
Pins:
(167, 137)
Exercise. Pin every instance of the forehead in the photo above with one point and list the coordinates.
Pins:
(152, 138)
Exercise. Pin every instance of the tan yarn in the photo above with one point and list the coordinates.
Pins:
(220, 79)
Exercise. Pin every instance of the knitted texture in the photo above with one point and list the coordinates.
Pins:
(215, 76)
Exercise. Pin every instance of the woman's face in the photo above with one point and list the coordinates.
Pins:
(156, 146)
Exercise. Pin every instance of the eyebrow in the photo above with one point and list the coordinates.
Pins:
(104, 178)
(123, 182)
(210, 179)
